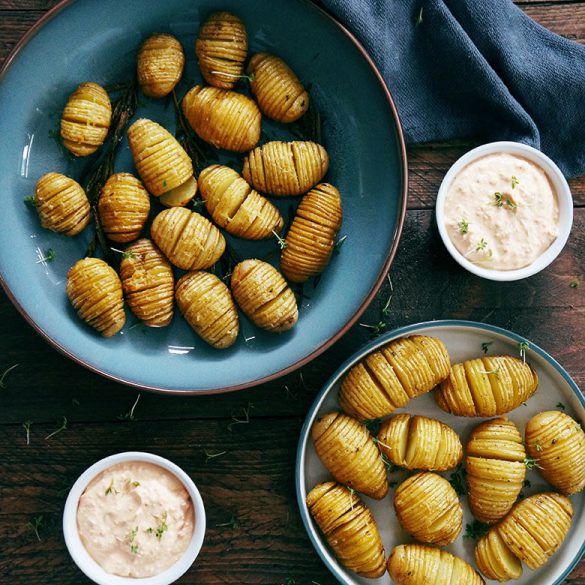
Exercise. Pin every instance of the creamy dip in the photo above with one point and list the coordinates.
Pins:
(501, 212)
(135, 519)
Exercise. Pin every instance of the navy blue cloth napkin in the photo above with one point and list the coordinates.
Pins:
(475, 68)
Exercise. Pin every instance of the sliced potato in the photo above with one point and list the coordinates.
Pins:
(180, 196)
(495, 560)
(161, 60)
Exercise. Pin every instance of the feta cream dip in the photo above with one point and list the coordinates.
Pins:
(135, 519)
(501, 211)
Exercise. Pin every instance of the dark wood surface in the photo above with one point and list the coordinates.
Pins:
(253, 482)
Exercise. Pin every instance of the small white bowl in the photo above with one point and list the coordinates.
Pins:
(79, 553)
(559, 184)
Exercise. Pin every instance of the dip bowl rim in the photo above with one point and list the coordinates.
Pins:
(81, 556)
(560, 185)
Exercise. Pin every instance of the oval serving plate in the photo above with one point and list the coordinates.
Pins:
(463, 340)
(84, 40)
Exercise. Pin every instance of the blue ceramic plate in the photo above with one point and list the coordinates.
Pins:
(97, 41)
(463, 340)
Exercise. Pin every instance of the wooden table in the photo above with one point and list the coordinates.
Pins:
(245, 471)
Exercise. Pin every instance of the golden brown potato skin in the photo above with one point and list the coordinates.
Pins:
(487, 386)
(148, 283)
(349, 528)
(262, 293)
(62, 204)
(161, 60)
(558, 443)
(207, 305)
(421, 443)
(160, 160)
(532, 532)
(123, 207)
(187, 239)
(236, 207)
(495, 469)
(223, 118)
(349, 452)
(221, 48)
(389, 377)
(415, 564)
(278, 91)
(95, 292)
(286, 168)
(86, 119)
(311, 237)
(428, 508)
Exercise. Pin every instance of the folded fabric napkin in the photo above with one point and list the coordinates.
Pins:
(475, 68)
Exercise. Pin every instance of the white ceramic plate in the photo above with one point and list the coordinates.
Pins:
(464, 340)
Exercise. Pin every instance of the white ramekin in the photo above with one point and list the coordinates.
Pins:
(80, 555)
(559, 184)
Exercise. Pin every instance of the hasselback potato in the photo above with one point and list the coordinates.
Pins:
(278, 91)
(236, 207)
(487, 386)
(311, 237)
(415, 564)
(419, 443)
(428, 508)
(180, 196)
(161, 60)
(558, 443)
(349, 528)
(532, 532)
(148, 283)
(86, 119)
(349, 452)
(262, 293)
(160, 160)
(390, 376)
(496, 469)
(62, 204)
(223, 118)
(221, 48)
(124, 206)
(207, 305)
(285, 168)
(95, 292)
(187, 239)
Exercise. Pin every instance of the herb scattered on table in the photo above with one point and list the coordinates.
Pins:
(244, 419)
(232, 523)
(26, 426)
(419, 17)
(4, 375)
(57, 431)
(386, 307)
(475, 530)
(36, 524)
(209, 455)
(376, 329)
(574, 284)
(130, 414)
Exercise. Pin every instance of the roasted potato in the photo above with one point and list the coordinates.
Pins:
(389, 377)
(161, 61)
(95, 291)
(285, 168)
(123, 207)
(532, 532)
(222, 48)
(349, 452)
(187, 239)
(278, 91)
(160, 160)
(419, 443)
(223, 118)
(311, 237)
(262, 293)
(415, 564)
(62, 204)
(496, 469)
(236, 207)
(487, 386)
(558, 443)
(86, 119)
(148, 283)
(349, 528)
(207, 305)
(428, 508)
(180, 196)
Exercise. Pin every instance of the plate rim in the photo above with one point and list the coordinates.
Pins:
(359, 354)
(402, 209)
